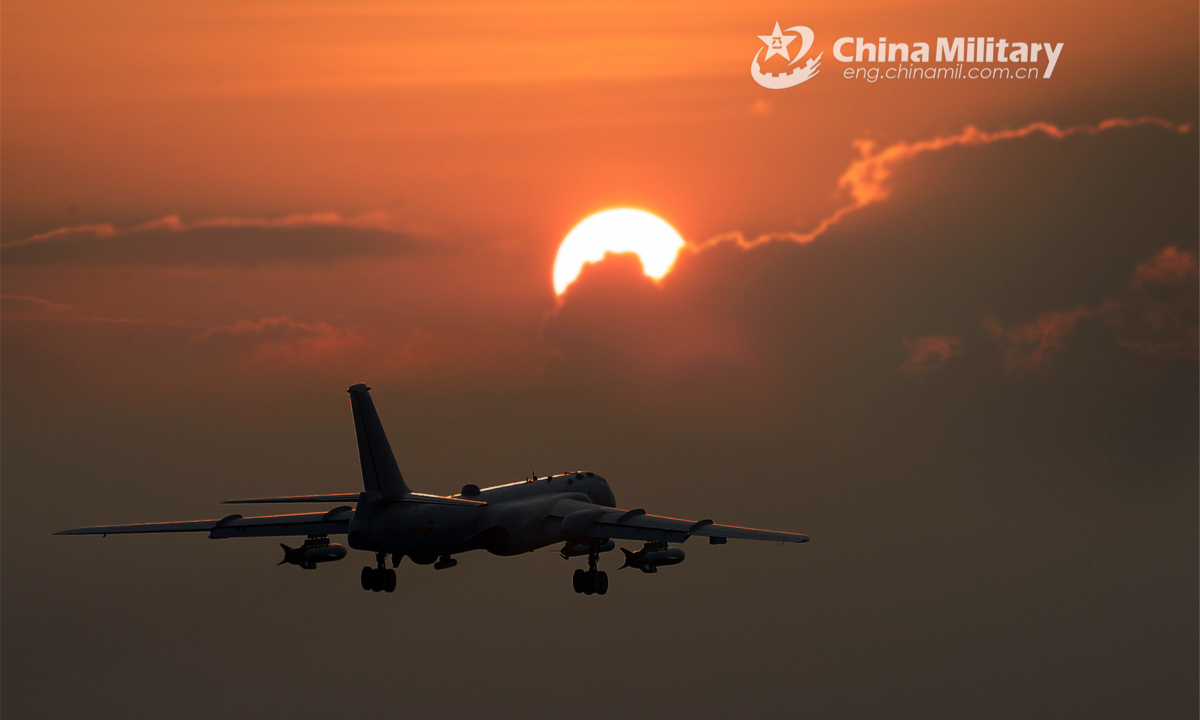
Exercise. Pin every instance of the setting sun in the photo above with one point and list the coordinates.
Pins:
(620, 230)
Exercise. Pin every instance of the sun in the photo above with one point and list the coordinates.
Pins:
(619, 230)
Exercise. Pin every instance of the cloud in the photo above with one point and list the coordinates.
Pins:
(1159, 315)
(219, 241)
(792, 315)
(27, 305)
(278, 339)
(1169, 267)
(868, 178)
(175, 224)
(1029, 347)
(929, 352)
(613, 318)
(1156, 317)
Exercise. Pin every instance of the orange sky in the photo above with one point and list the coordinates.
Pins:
(481, 135)
(456, 116)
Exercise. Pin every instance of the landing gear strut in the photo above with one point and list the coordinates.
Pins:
(590, 581)
(380, 578)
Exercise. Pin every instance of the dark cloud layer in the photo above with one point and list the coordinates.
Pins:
(957, 252)
(225, 242)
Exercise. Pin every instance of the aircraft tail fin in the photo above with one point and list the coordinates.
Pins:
(379, 469)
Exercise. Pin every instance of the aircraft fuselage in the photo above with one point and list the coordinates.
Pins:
(513, 521)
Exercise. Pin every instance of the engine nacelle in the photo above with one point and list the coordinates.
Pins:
(653, 556)
(571, 549)
(313, 551)
(576, 524)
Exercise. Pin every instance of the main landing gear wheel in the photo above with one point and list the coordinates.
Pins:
(590, 582)
(378, 579)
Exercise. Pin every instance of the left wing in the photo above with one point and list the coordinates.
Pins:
(334, 522)
(637, 525)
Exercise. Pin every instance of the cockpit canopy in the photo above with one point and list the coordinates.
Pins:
(591, 484)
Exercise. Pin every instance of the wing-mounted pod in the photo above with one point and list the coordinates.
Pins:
(314, 550)
(652, 556)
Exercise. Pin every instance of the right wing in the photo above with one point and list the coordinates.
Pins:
(334, 522)
(637, 525)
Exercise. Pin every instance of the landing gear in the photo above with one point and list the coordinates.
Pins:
(445, 562)
(380, 578)
(590, 581)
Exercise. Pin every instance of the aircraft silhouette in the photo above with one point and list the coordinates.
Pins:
(577, 509)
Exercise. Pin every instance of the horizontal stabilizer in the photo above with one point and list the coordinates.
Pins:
(439, 500)
(353, 497)
(338, 497)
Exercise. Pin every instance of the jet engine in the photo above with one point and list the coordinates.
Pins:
(314, 550)
(651, 556)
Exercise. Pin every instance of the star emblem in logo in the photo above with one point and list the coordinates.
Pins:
(777, 43)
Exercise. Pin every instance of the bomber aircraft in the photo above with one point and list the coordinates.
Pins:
(577, 509)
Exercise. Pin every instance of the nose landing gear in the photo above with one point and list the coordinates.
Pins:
(379, 578)
(590, 581)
